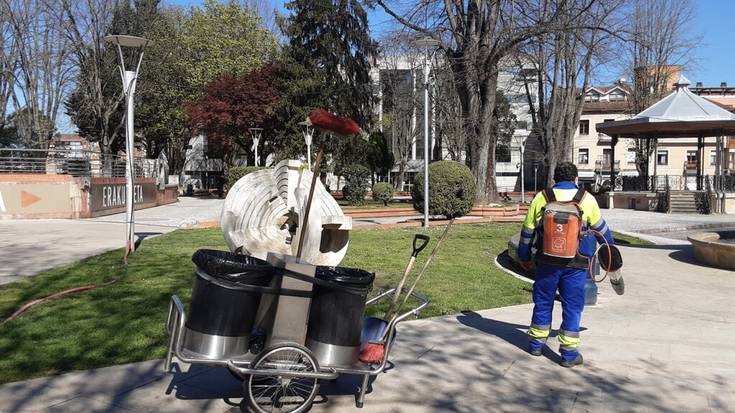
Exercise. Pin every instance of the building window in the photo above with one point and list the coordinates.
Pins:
(606, 158)
(631, 156)
(662, 157)
(502, 153)
(713, 158)
(592, 97)
(584, 127)
(522, 125)
(691, 159)
(616, 96)
(584, 156)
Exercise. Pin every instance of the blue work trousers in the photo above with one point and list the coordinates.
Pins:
(570, 284)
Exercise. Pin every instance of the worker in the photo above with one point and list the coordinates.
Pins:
(566, 224)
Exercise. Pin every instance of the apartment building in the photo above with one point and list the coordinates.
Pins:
(592, 153)
(673, 157)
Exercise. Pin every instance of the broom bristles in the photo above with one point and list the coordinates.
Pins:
(372, 353)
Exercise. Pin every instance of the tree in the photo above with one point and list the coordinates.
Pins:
(380, 158)
(230, 106)
(504, 125)
(8, 50)
(402, 99)
(41, 70)
(331, 39)
(22, 127)
(162, 88)
(225, 38)
(559, 67)
(95, 106)
(475, 38)
(660, 37)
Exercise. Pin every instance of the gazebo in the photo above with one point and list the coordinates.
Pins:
(681, 114)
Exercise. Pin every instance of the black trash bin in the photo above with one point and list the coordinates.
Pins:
(224, 301)
(336, 314)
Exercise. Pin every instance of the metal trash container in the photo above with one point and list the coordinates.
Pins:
(336, 314)
(224, 300)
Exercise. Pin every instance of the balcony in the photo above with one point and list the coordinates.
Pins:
(604, 165)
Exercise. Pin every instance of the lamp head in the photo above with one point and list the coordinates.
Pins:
(126, 41)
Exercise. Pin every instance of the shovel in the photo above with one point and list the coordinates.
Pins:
(373, 328)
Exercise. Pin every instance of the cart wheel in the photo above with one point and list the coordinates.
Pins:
(271, 394)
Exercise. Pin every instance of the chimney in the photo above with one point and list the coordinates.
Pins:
(699, 84)
(723, 84)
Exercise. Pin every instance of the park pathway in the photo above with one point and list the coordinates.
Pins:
(665, 346)
(30, 246)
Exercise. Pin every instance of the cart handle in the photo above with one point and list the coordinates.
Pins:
(328, 374)
(424, 302)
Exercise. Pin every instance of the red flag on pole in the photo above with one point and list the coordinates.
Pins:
(339, 125)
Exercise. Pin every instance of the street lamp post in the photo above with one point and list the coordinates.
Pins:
(523, 176)
(426, 43)
(257, 132)
(308, 134)
(129, 79)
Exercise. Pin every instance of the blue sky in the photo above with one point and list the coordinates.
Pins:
(713, 21)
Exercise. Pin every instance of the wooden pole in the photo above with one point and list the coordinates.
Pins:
(309, 200)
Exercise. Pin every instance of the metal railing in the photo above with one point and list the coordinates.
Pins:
(604, 165)
(674, 183)
(70, 162)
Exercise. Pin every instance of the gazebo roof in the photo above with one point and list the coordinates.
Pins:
(680, 114)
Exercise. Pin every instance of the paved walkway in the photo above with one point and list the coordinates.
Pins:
(662, 347)
(657, 222)
(30, 246)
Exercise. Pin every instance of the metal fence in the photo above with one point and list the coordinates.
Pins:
(70, 162)
(673, 183)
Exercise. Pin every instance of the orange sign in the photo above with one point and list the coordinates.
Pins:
(27, 198)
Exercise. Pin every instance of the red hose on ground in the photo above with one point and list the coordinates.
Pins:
(55, 295)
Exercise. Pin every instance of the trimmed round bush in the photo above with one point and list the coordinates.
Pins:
(356, 177)
(383, 191)
(451, 189)
(237, 172)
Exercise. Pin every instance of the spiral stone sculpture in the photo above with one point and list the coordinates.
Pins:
(263, 213)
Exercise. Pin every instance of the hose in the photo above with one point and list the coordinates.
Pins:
(69, 291)
(594, 257)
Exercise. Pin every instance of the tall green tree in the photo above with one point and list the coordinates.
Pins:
(225, 38)
(331, 40)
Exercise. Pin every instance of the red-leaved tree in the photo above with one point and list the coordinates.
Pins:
(230, 106)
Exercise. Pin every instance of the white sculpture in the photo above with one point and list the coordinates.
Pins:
(263, 212)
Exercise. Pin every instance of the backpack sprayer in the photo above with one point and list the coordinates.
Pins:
(562, 225)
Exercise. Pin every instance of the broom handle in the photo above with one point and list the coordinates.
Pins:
(305, 221)
(423, 270)
(397, 294)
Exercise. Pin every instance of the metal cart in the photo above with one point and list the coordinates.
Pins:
(285, 377)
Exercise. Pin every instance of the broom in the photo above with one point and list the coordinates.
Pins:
(374, 352)
(326, 122)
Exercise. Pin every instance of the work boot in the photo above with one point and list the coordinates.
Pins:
(535, 347)
(577, 361)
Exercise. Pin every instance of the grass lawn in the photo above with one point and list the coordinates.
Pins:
(124, 322)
